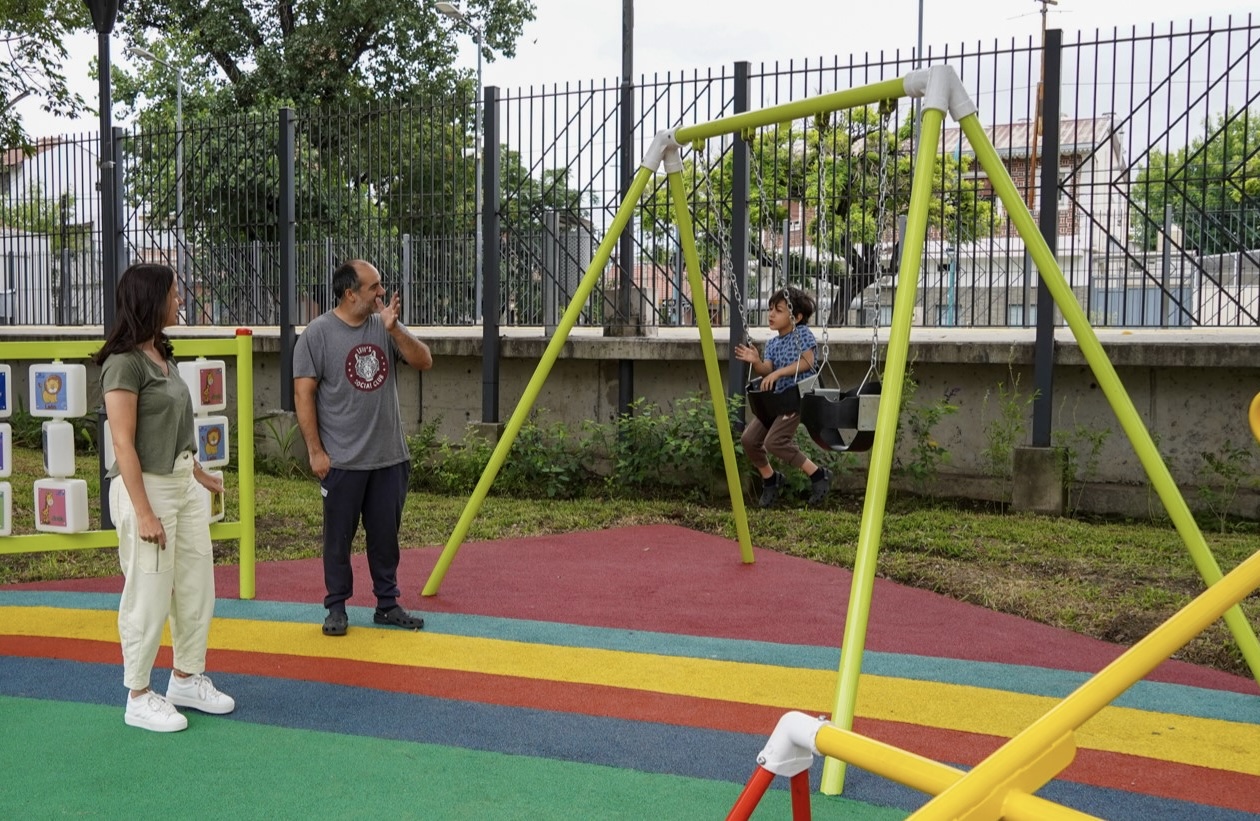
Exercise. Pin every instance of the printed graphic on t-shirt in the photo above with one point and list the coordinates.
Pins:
(367, 367)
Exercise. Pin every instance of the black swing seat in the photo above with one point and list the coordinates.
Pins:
(840, 420)
(769, 405)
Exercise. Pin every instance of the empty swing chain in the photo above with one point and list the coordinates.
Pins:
(886, 109)
(726, 267)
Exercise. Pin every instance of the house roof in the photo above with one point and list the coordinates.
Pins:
(1016, 139)
(16, 156)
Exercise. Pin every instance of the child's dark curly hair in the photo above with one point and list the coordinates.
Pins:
(799, 304)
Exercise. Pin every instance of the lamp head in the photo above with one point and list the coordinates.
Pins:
(104, 14)
(449, 9)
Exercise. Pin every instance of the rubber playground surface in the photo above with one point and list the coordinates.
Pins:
(624, 674)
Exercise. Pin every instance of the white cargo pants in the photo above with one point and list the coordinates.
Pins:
(175, 583)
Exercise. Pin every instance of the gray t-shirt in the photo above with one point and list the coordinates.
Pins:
(164, 413)
(360, 424)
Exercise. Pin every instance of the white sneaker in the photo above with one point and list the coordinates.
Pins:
(198, 693)
(152, 712)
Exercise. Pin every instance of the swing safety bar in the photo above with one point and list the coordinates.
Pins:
(840, 420)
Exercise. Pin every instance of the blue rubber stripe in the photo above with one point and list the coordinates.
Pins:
(642, 746)
(1152, 696)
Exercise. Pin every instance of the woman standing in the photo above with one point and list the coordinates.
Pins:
(163, 522)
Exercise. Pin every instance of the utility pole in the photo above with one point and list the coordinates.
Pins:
(1036, 135)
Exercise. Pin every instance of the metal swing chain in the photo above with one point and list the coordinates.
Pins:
(823, 208)
(886, 110)
(783, 289)
(726, 267)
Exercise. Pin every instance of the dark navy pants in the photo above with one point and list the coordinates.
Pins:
(376, 497)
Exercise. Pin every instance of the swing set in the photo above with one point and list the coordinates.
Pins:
(1033, 759)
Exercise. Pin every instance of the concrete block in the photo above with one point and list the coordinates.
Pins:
(490, 431)
(1037, 484)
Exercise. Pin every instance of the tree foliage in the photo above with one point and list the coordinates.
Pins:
(1212, 186)
(368, 80)
(32, 35)
(38, 214)
(321, 52)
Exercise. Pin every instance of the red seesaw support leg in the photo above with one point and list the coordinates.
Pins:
(789, 752)
(756, 787)
(800, 797)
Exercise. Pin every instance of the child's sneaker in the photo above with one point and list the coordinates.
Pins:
(819, 484)
(150, 711)
(770, 489)
(198, 693)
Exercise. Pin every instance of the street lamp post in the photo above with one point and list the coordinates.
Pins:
(180, 253)
(453, 12)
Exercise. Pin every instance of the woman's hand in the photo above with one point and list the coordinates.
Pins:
(151, 530)
(767, 381)
(210, 482)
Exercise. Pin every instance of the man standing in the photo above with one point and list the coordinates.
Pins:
(346, 393)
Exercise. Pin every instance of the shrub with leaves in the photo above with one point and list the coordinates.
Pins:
(915, 425)
(1222, 474)
(546, 462)
(657, 453)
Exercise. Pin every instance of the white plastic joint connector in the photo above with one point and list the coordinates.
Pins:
(791, 748)
(664, 148)
(940, 89)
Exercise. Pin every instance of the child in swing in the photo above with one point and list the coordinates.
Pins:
(790, 357)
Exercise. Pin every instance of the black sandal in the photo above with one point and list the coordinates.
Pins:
(397, 617)
(335, 623)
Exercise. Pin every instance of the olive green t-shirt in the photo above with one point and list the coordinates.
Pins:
(164, 414)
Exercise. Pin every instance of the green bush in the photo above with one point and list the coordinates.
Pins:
(655, 453)
(546, 462)
(652, 453)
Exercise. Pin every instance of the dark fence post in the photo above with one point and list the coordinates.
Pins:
(489, 254)
(104, 14)
(287, 217)
(739, 237)
(1043, 348)
(122, 256)
(625, 249)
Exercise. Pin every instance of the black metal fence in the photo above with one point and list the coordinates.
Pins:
(1158, 203)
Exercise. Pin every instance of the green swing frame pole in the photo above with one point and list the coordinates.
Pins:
(530, 396)
(798, 109)
(877, 477)
(686, 234)
(1126, 413)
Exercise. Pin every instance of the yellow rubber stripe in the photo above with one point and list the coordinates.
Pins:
(1190, 740)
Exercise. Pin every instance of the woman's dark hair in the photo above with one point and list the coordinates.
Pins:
(141, 303)
(798, 303)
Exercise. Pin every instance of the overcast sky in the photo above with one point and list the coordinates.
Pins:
(574, 40)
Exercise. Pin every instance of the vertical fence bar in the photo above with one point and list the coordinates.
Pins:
(738, 287)
(489, 256)
(287, 217)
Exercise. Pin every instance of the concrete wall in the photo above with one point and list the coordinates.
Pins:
(1192, 390)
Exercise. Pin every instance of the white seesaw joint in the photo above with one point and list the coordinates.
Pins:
(791, 748)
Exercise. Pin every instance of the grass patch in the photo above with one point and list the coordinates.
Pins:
(1114, 580)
